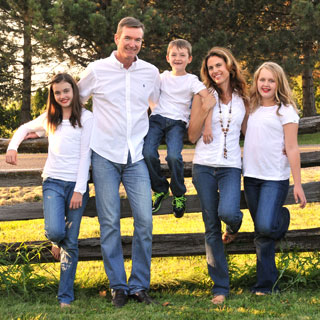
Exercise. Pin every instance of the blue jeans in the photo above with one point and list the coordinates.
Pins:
(107, 176)
(62, 228)
(219, 193)
(265, 199)
(173, 131)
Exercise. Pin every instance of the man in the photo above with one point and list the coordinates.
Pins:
(122, 87)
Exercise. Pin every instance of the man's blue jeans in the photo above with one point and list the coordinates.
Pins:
(173, 131)
(265, 199)
(219, 193)
(62, 228)
(107, 176)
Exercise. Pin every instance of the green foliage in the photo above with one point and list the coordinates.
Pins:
(39, 102)
(19, 277)
(9, 119)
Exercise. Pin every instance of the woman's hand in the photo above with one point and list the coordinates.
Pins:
(76, 201)
(11, 157)
(207, 135)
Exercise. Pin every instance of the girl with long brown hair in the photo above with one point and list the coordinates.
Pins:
(65, 175)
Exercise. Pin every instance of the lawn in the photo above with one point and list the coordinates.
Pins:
(180, 284)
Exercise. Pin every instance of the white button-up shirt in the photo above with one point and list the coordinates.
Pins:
(120, 102)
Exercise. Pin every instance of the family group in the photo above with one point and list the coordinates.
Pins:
(120, 141)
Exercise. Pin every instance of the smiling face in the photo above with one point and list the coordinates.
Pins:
(218, 71)
(267, 87)
(179, 58)
(63, 94)
(128, 44)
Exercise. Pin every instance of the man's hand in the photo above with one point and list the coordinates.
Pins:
(11, 157)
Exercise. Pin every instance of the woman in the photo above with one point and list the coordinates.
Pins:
(217, 159)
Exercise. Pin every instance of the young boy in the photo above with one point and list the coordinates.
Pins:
(169, 119)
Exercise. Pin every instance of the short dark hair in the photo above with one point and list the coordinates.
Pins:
(129, 22)
(180, 44)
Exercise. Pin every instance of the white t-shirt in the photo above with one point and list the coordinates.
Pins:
(212, 154)
(121, 98)
(69, 154)
(263, 156)
(176, 95)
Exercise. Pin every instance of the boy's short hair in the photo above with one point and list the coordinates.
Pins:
(129, 22)
(180, 44)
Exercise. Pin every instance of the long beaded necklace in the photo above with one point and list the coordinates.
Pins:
(226, 129)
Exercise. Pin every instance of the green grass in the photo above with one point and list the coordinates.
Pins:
(312, 138)
(180, 284)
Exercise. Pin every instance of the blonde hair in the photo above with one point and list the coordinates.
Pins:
(283, 94)
(180, 44)
(237, 80)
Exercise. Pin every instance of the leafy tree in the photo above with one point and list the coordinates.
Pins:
(21, 22)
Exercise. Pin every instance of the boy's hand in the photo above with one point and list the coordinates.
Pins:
(207, 135)
(11, 157)
(209, 102)
(76, 201)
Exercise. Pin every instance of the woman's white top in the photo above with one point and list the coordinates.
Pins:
(212, 154)
(176, 95)
(263, 156)
(69, 154)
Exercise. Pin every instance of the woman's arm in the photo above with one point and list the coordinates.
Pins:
(293, 154)
(199, 113)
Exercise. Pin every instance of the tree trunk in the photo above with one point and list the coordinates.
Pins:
(309, 107)
(27, 65)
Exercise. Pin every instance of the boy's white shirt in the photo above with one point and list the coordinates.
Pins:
(69, 154)
(176, 95)
(263, 156)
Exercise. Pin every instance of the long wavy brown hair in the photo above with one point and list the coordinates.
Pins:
(237, 80)
(283, 94)
(54, 110)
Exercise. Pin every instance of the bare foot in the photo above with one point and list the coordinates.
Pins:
(258, 293)
(64, 305)
(55, 252)
(218, 299)
(228, 237)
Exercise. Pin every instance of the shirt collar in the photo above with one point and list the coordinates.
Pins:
(120, 65)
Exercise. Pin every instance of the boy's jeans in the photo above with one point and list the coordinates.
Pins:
(62, 228)
(173, 131)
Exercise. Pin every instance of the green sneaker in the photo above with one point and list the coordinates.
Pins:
(157, 198)
(179, 206)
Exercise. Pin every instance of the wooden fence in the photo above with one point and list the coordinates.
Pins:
(164, 244)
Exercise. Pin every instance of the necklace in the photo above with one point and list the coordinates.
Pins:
(225, 130)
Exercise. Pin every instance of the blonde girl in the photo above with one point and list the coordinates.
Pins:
(272, 127)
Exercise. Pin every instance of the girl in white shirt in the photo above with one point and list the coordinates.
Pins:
(272, 127)
(66, 172)
(217, 163)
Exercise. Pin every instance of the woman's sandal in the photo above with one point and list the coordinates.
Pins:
(229, 237)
